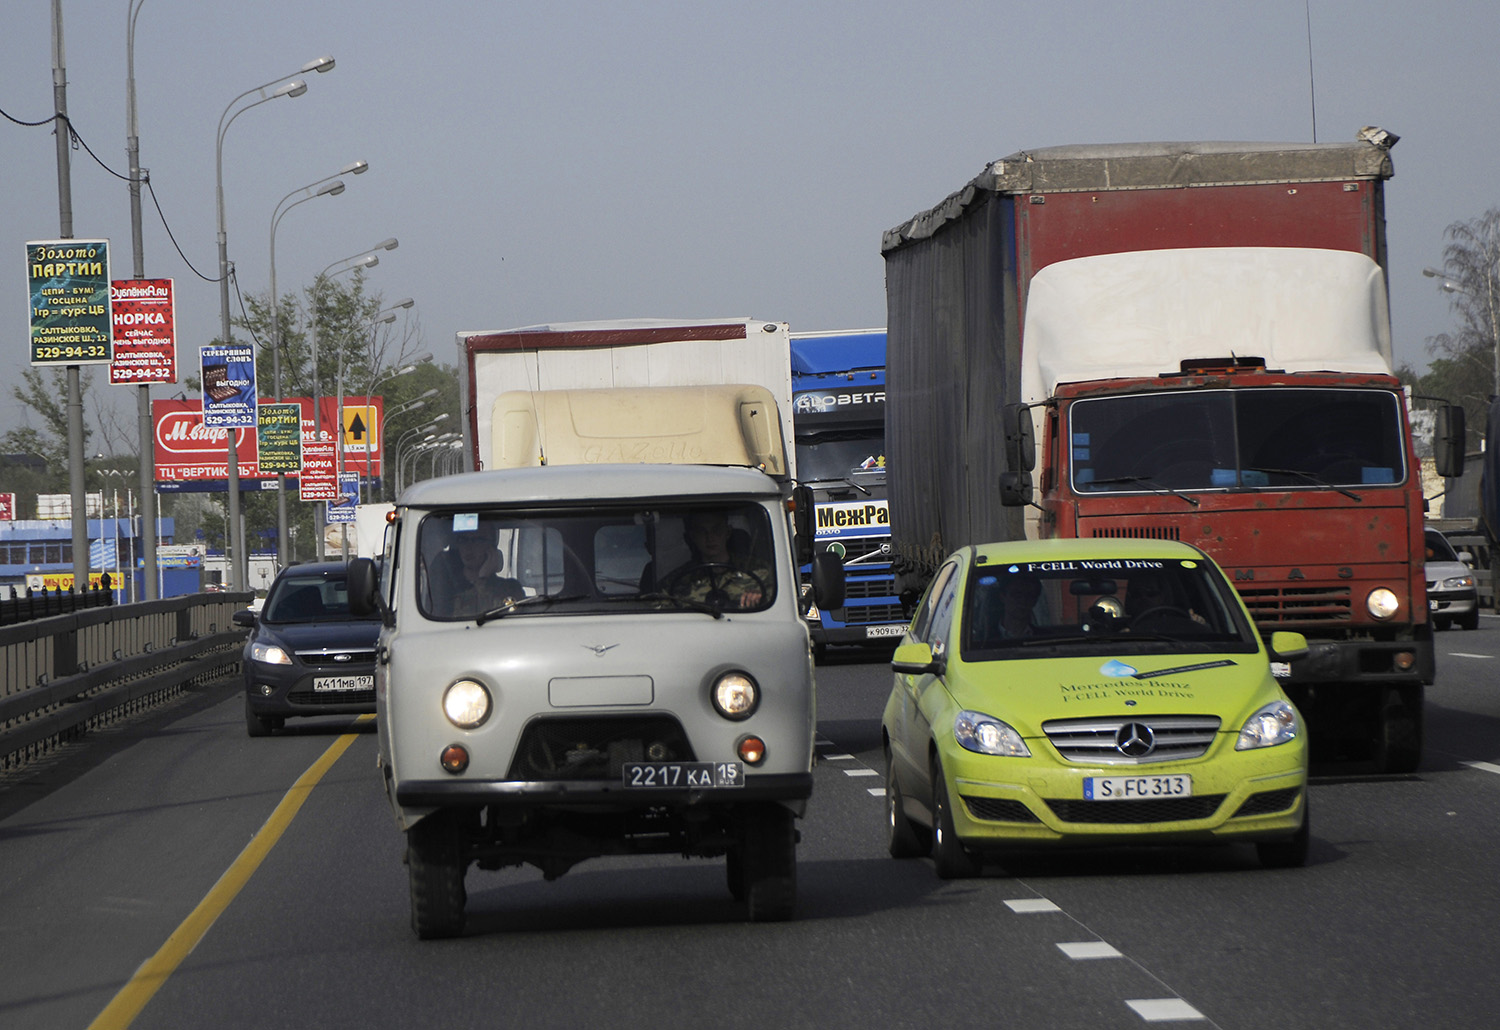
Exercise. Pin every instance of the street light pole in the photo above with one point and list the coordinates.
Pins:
(238, 565)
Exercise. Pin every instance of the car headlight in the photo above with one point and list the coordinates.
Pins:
(736, 695)
(1457, 583)
(271, 654)
(1382, 603)
(466, 704)
(1275, 723)
(987, 735)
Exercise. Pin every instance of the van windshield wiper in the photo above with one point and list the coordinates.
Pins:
(1147, 482)
(1307, 476)
(685, 603)
(524, 602)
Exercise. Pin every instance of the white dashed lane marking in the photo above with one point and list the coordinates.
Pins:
(1465, 654)
(1026, 906)
(1483, 767)
(1090, 949)
(863, 772)
(1164, 1010)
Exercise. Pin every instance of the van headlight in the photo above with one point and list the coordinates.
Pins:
(466, 704)
(1382, 603)
(987, 735)
(1272, 724)
(736, 695)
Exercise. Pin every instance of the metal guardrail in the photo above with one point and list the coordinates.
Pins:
(63, 675)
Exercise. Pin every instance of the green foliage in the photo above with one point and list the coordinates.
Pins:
(1465, 370)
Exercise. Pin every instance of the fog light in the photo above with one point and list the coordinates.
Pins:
(1405, 660)
(752, 750)
(265, 689)
(455, 758)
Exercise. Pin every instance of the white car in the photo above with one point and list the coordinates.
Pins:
(1451, 593)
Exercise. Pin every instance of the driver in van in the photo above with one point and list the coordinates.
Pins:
(469, 579)
(716, 574)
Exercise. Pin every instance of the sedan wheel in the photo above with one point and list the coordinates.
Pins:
(904, 838)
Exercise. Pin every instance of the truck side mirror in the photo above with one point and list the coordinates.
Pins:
(1448, 440)
(1020, 440)
(364, 589)
(1015, 489)
(828, 580)
(804, 522)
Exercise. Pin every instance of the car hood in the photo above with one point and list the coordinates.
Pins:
(1028, 693)
(301, 636)
(1437, 571)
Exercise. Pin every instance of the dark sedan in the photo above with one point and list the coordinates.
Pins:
(307, 654)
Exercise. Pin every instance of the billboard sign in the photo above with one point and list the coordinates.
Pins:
(68, 282)
(319, 478)
(228, 372)
(278, 438)
(187, 450)
(7, 507)
(144, 320)
(343, 509)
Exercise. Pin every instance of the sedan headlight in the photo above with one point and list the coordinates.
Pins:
(271, 654)
(1382, 603)
(466, 704)
(1275, 723)
(1457, 583)
(736, 695)
(987, 735)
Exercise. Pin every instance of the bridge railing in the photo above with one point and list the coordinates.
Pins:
(63, 675)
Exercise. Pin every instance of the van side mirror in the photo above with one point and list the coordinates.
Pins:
(364, 589)
(828, 580)
(1448, 438)
(804, 523)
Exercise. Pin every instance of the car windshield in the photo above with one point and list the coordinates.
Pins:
(645, 557)
(1040, 609)
(309, 597)
(1283, 439)
(1438, 548)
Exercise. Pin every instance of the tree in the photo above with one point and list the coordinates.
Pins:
(1466, 372)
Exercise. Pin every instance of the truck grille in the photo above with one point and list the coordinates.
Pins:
(871, 614)
(1137, 533)
(1275, 605)
(1164, 810)
(863, 588)
(1094, 741)
(595, 748)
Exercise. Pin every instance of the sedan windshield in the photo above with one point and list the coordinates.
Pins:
(308, 598)
(1038, 609)
(705, 558)
(1284, 439)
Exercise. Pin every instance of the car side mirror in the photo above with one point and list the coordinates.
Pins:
(916, 659)
(244, 617)
(828, 580)
(1288, 646)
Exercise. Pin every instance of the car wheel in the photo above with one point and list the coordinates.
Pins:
(1398, 748)
(1290, 853)
(435, 863)
(734, 872)
(769, 854)
(260, 725)
(1471, 620)
(904, 838)
(953, 860)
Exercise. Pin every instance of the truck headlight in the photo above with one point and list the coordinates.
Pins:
(270, 654)
(1382, 603)
(736, 695)
(987, 735)
(1272, 724)
(466, 704)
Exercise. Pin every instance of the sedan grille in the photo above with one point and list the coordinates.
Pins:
(327, 657)
(1162, 810)
(331, 697)
(1127, 741)
(593, 748)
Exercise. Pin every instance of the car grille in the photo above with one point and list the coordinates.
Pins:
(1155, 810)
(331, 697)
(1268, 801)
(593, 748)
(1092, 741)
(1276, 605)
(1000, 810)
(325, 657)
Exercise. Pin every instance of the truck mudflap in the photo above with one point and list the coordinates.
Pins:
(448, 793)
(1375, 662)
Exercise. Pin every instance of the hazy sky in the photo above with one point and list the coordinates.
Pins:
(561, 161)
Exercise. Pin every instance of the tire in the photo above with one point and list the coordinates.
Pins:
(734, 873)
(904, 839)
(435, 863)
(953, 860)
(1439, 624)
(1290, 853)
(260, 725)
(1471, 620)
(1398, 748)
(768, 853)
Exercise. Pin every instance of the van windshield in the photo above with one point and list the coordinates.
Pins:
(479, 564)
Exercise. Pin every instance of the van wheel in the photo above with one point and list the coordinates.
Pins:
(260, 725)
(904, 839)
(769, 855)
(953, 860)
(1290, 853)
(734, 872)
(435, 863)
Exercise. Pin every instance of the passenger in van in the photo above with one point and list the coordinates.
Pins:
(718, 573)
(467, 578)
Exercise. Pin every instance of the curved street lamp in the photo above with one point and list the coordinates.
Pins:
(238, 565)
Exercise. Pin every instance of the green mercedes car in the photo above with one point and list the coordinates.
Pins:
(1065, 693)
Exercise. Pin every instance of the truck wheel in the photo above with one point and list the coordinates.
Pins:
(1398, 749)
(260, 725)
(904, 839)
(953, 860)
(769, 855)
(1290, 853)
(435, 863)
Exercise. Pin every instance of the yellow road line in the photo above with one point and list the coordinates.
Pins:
(148, 979)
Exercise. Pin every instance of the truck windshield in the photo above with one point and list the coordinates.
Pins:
(483, 565)
(854, 456)
(1281, 439)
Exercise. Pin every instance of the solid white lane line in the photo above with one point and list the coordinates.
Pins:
(1090, 949)
(1163, 1010)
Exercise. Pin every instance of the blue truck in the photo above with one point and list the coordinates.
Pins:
(838, 416)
